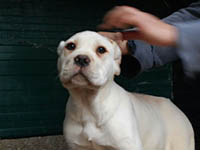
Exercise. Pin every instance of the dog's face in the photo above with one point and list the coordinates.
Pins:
(88, 59)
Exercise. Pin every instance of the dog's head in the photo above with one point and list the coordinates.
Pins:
(88, 59)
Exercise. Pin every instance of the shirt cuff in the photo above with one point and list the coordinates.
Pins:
(143, 52)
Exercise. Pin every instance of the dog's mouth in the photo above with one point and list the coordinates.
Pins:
(79, 78)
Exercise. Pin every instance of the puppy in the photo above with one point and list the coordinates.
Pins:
(101, 115)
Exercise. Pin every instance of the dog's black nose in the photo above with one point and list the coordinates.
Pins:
(82, 60)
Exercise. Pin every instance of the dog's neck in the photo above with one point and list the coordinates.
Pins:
(86, 96)
(95, 102)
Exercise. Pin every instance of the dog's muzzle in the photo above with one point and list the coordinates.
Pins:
(82, 60)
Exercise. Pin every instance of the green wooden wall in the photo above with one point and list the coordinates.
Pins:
(32, 101)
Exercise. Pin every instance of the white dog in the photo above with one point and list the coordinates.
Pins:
(101, 115)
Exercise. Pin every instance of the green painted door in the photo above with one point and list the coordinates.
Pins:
(32, 101)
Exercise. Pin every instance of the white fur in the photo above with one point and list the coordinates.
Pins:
(100, 115)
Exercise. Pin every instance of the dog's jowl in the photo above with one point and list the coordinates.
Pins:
(101, 115)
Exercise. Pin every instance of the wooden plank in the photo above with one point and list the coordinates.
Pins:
(50, 8)
(27, 53)
(30, 82)
(29, 34)
(31, 38)
(59, 21)
(52, 105)
(38, 117)
(49, 129)
(25, 49)
(28, 68)
(32, 97)
(32, 27)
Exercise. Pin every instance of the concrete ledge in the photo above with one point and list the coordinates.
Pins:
(34, 143)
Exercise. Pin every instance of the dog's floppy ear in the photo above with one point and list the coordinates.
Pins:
(60, 47)
(117, 57)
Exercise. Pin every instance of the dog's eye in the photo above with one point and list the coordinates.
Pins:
(70, 46)
(101, 50)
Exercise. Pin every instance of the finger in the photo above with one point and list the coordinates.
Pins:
(132, 35)
(106, 34)
(119, 23)
(104, 26)
(114, 19)
(121, 17)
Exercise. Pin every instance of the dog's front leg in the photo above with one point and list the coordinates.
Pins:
(125, 135)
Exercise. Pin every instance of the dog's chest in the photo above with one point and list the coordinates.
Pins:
(91, 136)
(91, 131)
(95, 134)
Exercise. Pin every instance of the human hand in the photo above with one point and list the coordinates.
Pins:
(150, 28)
(118, 38)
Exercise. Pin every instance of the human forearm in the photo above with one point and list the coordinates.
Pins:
(166, 34)
(187, 42)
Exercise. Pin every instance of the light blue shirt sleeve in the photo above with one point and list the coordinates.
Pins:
(188, 46)
(187, 22)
